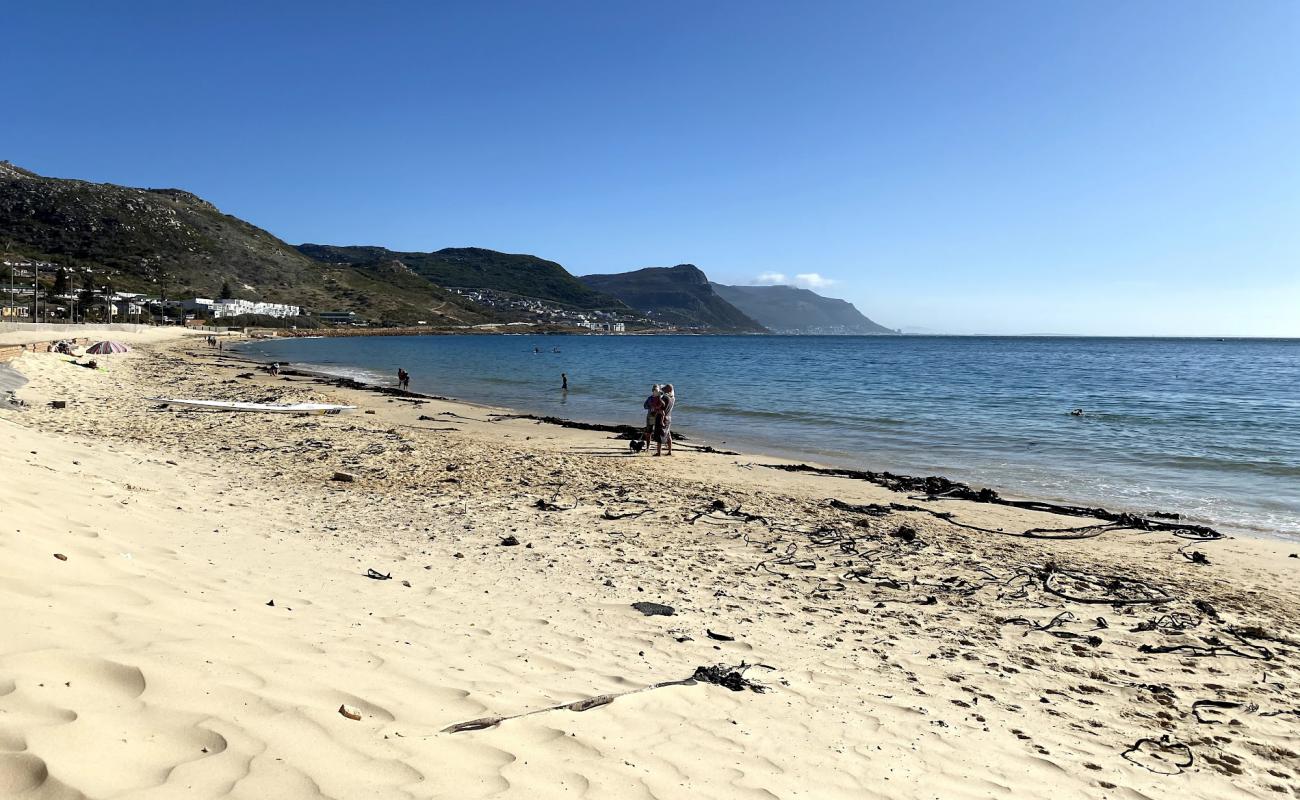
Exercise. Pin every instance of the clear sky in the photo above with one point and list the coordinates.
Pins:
(1013, 167)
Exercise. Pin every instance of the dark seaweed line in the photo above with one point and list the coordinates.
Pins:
(939, 488)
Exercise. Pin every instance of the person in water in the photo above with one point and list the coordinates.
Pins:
(664, 420)
(564, 381)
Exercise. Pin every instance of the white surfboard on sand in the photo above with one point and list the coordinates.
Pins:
(268, 408)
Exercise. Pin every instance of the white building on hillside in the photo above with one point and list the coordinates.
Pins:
(217, 309)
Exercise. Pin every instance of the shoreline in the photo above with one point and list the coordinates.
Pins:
(223, 600)
(809, 459)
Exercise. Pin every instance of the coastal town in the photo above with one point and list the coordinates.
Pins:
(33, 290)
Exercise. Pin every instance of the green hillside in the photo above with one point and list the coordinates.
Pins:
(477, 268)
(170, 241)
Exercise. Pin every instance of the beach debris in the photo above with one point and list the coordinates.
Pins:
(623, 431)
(939, 488)
(1213, 647)
(376, 575)
(370, 411)
(1175, 622)
(721, 637)
(1115, 590)
(732, 678)
(343, 477)
(905, 533)
(718, 512)
(654, 609)
(871, 509)
(479, 724)
(1205, 608)
(509, 541)
(407, 584)
(58, 404)
(1216, 708)
(1256, 632)
(271, 603)
(624, 513)
(591, 702)
(708, 448)
(1051, 627)
(1162, 756)
(351, 713)
(786, 559)
(60, 556)
(554, 505)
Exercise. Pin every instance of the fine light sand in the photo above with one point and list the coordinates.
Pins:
(213, 613)
(142, 335)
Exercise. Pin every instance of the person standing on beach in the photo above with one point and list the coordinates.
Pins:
(664, 420)
(651, 405)
(403, 379)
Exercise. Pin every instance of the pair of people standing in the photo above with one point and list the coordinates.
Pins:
(659, 417)
(403, 379)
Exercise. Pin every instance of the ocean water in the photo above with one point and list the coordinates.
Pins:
(1205, 428)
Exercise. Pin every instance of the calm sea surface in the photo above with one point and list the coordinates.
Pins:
(1206, 428)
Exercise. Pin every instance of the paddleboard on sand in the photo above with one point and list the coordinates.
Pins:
(267, 408)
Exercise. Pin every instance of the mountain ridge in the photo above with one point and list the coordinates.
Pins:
(790, 309)
(681, 296)
(476, 267)
(172, 242)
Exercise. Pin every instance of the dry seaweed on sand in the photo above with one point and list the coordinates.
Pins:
(1162, 756)
(729, 677)
(939, 488)
(732, 678)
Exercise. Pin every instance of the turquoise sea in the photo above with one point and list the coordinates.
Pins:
(1202, 427)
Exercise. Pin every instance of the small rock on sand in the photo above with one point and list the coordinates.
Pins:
(350, 712)
(654, 609)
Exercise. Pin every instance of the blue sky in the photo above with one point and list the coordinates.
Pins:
(1011, 167)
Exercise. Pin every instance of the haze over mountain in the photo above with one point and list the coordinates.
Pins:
(789, 309)
(680, 295)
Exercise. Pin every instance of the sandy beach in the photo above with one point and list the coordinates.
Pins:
(196, 607)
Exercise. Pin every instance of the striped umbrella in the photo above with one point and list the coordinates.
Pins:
(104, 348)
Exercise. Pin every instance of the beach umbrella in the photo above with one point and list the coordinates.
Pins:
(104, 348)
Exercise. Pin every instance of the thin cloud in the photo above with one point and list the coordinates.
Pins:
(812, 280)
(768, 279)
